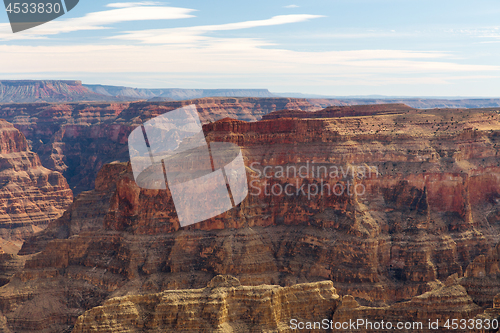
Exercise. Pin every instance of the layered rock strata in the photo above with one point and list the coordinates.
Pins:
(424, 212)
(31, 196)
(223, 306)
(420, 314)
(77, 139)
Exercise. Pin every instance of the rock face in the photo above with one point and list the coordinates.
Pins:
(220, 307)
(419, 203)
(447, 301)
(31, 196)
(482, 278)
(78, 139)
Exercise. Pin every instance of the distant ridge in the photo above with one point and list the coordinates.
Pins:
(418, 103)
(176, 94)
(62, 91)
(32, 91)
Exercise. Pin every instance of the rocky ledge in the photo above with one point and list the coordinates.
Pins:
(223, 306)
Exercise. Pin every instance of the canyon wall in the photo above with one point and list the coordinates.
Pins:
(77, 139)
(419, 203)
(31, 195)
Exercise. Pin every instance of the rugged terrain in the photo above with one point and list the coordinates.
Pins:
(422, 206)
(60, 91)
(30, 91)
(31, 195)
(174, 94)
(223, 306)
(77, 139)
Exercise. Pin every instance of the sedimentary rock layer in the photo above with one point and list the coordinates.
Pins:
(30, 195)
(424, 214)
(223, 306)
(77, 139)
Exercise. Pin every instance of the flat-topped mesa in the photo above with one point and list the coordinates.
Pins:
(16, 83)
(343, 111)
(30, 195)
(33, 91)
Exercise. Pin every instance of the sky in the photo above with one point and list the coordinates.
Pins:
(323, 47)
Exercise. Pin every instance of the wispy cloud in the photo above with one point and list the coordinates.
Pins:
(291, 6)
(225, 56)
(197, 52)
(193, 34)
(137, 11)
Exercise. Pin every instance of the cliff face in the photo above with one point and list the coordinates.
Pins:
(448, 300)
(223, 306)
(31, 196)
(482, 278)
(423, 213)
(78, 139)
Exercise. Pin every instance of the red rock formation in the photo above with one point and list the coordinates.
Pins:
(78, 139)
(426, 214)
(31, 196)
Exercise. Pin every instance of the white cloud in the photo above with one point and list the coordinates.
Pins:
(291, 6)
(225, 56)
(193, 34)
(193, 51)
(99, 20)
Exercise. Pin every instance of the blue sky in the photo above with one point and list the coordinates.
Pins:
(329, 47)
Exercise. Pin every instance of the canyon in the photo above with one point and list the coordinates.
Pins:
(77, 139)
(418, 241)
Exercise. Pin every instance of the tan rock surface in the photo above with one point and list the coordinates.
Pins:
(223, 306)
